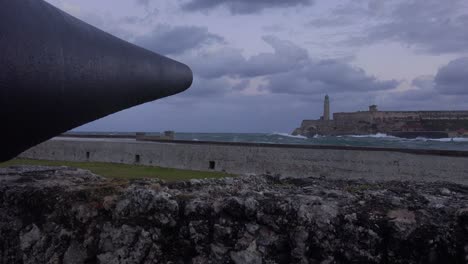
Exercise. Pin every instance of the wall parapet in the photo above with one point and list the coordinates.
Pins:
(334, 162)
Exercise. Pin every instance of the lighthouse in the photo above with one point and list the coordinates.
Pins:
(326, 108)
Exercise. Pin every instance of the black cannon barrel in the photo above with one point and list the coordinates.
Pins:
(58, 72)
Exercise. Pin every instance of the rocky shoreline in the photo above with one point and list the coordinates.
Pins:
(66, 215)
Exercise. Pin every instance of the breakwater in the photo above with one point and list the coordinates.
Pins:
(330, 162)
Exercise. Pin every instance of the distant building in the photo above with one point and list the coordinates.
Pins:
(398, 123)
(373, 108)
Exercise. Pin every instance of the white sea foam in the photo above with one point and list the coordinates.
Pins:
(378, 135)
(382, 135)
(456, 139)
(288, 135)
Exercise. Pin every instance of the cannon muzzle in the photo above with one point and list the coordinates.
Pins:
(58, 72)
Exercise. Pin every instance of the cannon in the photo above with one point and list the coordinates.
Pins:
(58, 72)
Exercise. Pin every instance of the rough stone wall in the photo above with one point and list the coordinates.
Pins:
(63, 215)
(310, 128)
(355, 116)
(365, 115)
(292, 161)
(444, 115)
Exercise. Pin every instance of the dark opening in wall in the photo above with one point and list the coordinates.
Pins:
(137, 158)
(87, 154)
(212, 165)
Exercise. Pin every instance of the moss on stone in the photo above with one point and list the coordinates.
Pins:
(123, 171)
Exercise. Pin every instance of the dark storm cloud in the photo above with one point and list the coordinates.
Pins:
(242, 6)
(453, 78)
(165, 39)
(432, 26)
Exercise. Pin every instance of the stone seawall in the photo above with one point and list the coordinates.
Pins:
(373, 164)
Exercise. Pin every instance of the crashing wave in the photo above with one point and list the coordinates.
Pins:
(455, 139)
(378, 135)
(288, 135)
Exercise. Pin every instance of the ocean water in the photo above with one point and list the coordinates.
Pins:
(377, 140)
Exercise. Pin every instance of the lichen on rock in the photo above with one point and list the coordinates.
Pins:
(66, 215)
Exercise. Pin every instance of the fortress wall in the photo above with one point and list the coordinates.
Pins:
(381, 116)
(350, 117)
(445, 115)
(411, 115)
(423, 114)
(308, 123)
(287, 160)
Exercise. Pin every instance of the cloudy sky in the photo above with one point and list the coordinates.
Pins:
(264, 65)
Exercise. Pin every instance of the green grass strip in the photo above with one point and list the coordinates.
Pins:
(124, 171)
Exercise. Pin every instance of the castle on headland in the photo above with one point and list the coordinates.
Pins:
(409, 124)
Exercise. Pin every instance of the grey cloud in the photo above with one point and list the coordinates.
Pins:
(143, 2)
(419, 98)
(287, 70)
(214, 64)
(243, 6)
(175, 40)
(349, 14)
(361, 8)
(422, 90)
(432, 26)
(146, 19)
(427, 92)
(425, 82)
(241, 86)
(202, 87)
(231, 62)
(206, 88)
(273, 28)
(331, 22)
(453, 77)
(327, 76)
(376, 5)
(286, 57)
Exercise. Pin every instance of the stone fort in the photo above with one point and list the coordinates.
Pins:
(432, 124)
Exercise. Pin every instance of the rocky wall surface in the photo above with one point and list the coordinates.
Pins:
(65, 215)
(251, 158)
